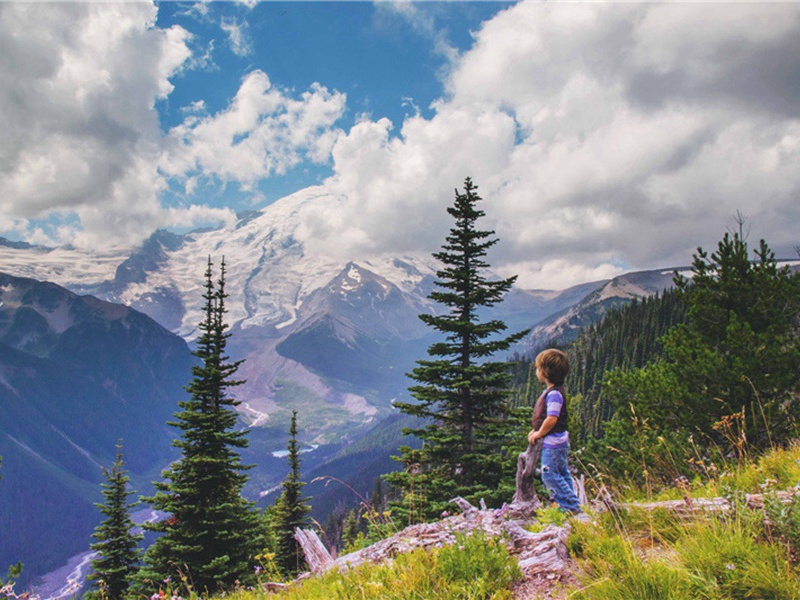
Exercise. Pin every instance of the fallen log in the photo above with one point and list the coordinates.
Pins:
(527, 462)
(537, 552)
(317, 556)
(688, 505)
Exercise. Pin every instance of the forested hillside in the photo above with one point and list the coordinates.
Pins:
(627, 337)
(709, 368)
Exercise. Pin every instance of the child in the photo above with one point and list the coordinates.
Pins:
(550, 420)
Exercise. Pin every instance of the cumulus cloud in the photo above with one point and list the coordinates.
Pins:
(82, 148)
(264, 131)
(604, 136)
(80, 137)
(238, 37)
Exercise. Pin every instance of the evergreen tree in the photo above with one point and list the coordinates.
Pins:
(212, 533)
(117, 547)
(461, 394)
(741, 346)
(730, 376)
(291, 510)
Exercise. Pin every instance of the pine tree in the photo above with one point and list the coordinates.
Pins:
(291, 510)
(212, 533)
(461, 395)
(741, 346)
(117, 546)
(729, 377)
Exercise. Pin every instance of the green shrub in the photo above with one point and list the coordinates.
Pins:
(783, 523)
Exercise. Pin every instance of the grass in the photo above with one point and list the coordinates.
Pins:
(711, 558)
(640, 554)
(633, 554)
(474, 568)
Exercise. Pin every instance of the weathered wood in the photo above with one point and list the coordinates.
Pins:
(317, 556)
(580, 490)
(527, 463)
(688, 505)
(463, 505)
(542, 551)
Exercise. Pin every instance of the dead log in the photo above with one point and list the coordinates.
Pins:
(688, 506)
(756, 501)
(525, 502)
(463, 505)
(580, 490)
(542, 551)
(554, 560)
(317, 556)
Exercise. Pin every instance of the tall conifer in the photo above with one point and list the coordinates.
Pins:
(291, 510)
(212, 533)
(461, 394)
(117, 549)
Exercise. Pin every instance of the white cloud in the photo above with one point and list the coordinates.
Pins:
(422, 22)
(82, 145)
(238, 37)
(80, 136)
(557, 274)
(264, 131)
(602, 135)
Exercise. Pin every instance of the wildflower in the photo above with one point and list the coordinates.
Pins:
(257, 570)
(730, 566)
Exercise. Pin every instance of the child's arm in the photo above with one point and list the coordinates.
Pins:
(547, 425)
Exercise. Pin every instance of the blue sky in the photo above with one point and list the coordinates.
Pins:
(388, 61)
(604, 136)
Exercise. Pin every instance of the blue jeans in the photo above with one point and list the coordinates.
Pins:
(557, 479)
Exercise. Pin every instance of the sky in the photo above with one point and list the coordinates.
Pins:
(604, 137)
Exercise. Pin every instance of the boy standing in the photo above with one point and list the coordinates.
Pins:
(550, 421)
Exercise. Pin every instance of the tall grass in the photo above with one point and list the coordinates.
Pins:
(743, 554)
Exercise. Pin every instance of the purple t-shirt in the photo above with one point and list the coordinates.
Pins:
(555, 401)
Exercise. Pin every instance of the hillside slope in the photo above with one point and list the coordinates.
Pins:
(76, 375)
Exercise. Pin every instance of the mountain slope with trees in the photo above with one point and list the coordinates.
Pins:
(76, 375)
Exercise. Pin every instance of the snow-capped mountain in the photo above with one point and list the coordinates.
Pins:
(320, 333)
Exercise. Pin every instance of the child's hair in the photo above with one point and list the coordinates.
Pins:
(554, 365)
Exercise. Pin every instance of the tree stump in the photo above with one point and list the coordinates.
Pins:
(525, 498)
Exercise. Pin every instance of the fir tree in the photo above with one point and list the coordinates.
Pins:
(729, 377)
(291, 510)
(741, 346)
(461, 395)
(212, 533)
(117, 547)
